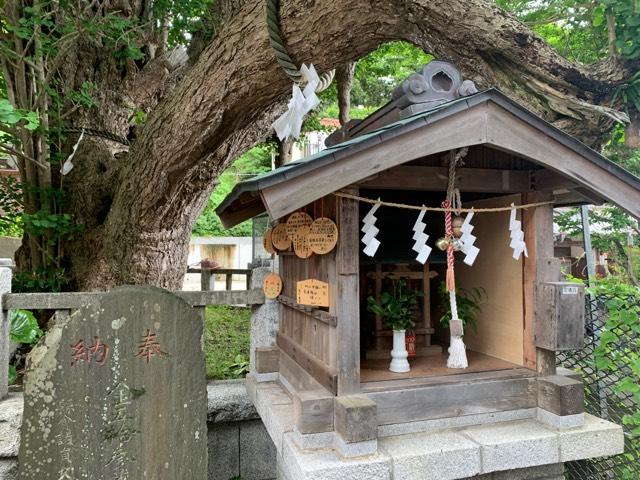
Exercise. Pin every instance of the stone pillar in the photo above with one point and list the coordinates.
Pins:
(5, 287)
(264, 319)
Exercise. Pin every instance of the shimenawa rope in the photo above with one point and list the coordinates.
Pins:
(282, 56)
(440, 209)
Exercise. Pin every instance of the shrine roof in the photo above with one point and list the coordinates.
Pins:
(246, 200)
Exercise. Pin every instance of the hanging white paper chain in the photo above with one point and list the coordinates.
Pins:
(370, 231)
(467, 240)
(517, 235)
(289, 124)
(421, 238)
(67, 166)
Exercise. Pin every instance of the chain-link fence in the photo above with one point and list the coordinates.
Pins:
(602, 398)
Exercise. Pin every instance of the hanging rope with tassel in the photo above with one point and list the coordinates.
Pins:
(457, 349)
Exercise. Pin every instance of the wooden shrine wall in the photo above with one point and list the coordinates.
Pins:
(310, 333)
(500, 323)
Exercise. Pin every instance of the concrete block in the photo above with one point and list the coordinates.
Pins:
(560, 395)
(251, 384)
(10, 423)
(356, 449)
(560, 421)
(437, 456)
(566, 372)
(278, 420)
(228, 401)
(544, 472)
(512, 445)
(8, 469)
(5, 352)
(355, 418)
(267, 393)
(224, 451)
(313, 411)
(313, 441)
(264, 318)
(257, 452)
(596, 438)
(297, 464)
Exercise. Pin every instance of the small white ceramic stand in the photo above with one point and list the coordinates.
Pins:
(399, 363)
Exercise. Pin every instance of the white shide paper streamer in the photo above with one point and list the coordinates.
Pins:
(67, 166)
(421, 238)
(289, 124)
(370, 231)
(517, 235)
(467, 240)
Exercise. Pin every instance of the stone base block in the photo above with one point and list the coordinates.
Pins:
(327, 465)
(313, 441)
(558, 421)
(8, 469)
(257, 452)
(444, 455)
(554, 471)
(513, 445)
(357, 449)
(520, 449)
(223, 440)
(596, 438)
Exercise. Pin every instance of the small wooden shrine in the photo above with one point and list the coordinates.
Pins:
(368, 211)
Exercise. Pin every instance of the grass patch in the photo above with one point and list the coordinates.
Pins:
(227, 341)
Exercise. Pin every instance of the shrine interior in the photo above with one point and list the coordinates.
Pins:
(495, 336)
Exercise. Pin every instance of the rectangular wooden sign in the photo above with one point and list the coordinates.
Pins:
(312, 292)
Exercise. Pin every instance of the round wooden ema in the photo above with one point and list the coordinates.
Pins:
(301, 245)
(272, 285)
(279, 237)
(323, 235)
(266, 242)
(297, 220)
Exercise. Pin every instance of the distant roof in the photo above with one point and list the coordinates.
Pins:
(330, 122)
(374, 138)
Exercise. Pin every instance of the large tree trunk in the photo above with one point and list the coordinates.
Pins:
(228, 99)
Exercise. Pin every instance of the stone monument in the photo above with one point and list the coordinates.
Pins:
(117, 390)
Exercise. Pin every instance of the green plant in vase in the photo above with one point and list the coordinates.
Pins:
(469, 302)
(396, 308)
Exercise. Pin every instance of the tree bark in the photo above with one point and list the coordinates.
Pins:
(344, 83)
(227, 101)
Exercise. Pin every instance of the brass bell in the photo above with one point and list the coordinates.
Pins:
(442, 243)
(457, 245)
(456, 225)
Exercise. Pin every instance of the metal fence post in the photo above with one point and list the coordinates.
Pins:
(5, 287)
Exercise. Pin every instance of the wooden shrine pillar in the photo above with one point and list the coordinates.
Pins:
(347, 301)
(539, 267)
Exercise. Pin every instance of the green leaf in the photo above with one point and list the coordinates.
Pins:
(24, 327)
(598, 16)
(13, 374)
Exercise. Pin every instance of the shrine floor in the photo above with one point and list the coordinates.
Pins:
(430, 366)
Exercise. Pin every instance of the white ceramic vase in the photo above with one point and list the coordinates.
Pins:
(399, 363)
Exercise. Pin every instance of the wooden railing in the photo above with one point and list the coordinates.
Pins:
(207, 277)
(65, 303)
